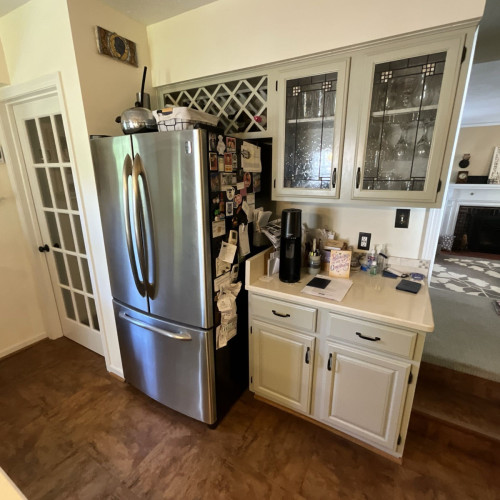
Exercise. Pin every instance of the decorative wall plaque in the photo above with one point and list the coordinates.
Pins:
(116, 46)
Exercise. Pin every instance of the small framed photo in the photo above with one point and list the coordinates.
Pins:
(231, 144)
(229, 208)
(220, 160)
(494, 175)
(213, 161)
(228, 162)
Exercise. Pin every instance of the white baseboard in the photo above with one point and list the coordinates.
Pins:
(21, 345)
(116, 371)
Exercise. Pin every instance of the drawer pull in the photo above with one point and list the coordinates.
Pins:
(281, 315)
(371, 339)
(308, 355)
(329, 365)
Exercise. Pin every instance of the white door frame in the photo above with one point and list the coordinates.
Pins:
(47, 86)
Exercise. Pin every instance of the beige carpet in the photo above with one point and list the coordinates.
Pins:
(466, 336)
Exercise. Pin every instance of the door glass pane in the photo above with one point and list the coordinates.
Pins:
(36, 148)
(81, 307)
(63, 146)
(403, 110)
(93, 314)
(58, 188)
(309, 131)
(43, 185)
(55, 239)
(61, 268)
(48, 140)
(74, 272)
(78, 233)
(65, 224)
(71, 188)
(68, 303)
(86, 275)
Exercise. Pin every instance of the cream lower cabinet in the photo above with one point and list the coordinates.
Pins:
(282, 365)
(364, 394)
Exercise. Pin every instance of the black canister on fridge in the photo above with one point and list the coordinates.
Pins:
(290, 247)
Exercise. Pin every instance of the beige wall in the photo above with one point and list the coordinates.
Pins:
(479, 142)
(4, 72)
(108, 86)
(21, 319)
(233, 34)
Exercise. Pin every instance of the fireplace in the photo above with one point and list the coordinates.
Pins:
(472, 215)
(478, 229)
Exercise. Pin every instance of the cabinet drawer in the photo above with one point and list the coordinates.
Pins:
(284, 313)
(372, 336)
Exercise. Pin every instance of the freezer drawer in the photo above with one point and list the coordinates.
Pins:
(170, 363)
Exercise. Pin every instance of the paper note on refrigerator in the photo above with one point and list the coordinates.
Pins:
(250, 157)
(227, 252)
(244, 242)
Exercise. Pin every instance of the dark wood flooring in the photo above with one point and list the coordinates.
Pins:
(70, 430)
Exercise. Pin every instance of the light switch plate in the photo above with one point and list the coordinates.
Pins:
(402, 218)
(364, 241)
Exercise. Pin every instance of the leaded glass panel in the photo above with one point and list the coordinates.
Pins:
(405, 97)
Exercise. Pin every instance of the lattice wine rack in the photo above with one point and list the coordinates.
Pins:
(235, 103)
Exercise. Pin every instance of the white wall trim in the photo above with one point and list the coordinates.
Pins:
(21, 345)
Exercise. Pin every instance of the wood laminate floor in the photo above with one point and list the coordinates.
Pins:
(70, 430)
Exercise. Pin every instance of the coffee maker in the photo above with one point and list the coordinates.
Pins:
(290, 247)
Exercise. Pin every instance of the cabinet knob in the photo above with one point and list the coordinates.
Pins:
(329, 365)
(358, 177)
(334, 177)
(43, 249)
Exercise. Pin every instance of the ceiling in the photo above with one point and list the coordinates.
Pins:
(144, 11)
(482, 105)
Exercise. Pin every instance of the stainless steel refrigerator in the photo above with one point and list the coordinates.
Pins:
(158, 199)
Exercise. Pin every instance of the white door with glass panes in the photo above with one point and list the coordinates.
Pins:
(311, 100)
(51, 179)
(407, 99)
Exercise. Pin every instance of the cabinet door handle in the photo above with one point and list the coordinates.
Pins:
(308, 355)
(371, 339)
(280, 314)
(329, 365)
(358, 177)
(334, 177)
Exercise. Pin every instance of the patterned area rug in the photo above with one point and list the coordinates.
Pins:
(474, 276)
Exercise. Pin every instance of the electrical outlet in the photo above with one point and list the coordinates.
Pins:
(402, 218)
(364, 241)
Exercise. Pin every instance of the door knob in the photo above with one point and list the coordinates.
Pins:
(45, 248)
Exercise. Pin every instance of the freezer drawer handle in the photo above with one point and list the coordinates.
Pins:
(172, 335)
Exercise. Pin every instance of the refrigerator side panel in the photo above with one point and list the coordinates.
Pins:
(109, 156)
(177, 372)
(175, 165)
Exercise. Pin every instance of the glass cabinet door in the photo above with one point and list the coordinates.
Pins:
(401, 152)
(311, 107)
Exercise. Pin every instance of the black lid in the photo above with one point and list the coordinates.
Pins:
(291, 223)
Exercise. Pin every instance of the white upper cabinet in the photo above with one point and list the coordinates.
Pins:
(406, 99)
(311, 102)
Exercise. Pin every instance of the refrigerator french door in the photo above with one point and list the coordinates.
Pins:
(153, 197)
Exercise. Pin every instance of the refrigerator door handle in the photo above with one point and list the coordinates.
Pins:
(126, 173)
(144, 210)
(142, 324)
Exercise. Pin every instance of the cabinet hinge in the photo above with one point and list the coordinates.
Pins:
(251, 380)
(410, 378)
(439, 185)
(464, 53)
(276, 85)
(251, 331)
(399, 439)
(274, 183)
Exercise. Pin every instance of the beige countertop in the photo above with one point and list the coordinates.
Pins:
(8, 490)
(370, 297)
